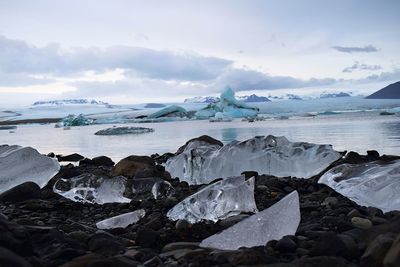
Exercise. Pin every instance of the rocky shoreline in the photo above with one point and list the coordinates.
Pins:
(41, 228)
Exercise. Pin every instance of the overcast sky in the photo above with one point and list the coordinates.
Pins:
(126, 51)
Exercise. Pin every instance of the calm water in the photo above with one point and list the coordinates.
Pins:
(352, 131)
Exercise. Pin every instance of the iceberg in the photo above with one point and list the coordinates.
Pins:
(75, 120)
(124, 130)
(201, 162)
(229, 106)
(22, 164)
(121, 221)
(375, 184)
(217, 201)
(170, 111)
(89, 188)
(273, 223)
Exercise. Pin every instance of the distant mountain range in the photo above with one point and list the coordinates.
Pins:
(391, 91)
(341, 94)
(212, 99)
(69, 102)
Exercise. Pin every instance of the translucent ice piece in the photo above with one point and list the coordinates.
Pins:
(93, 189)
(375, 184)
(273, 223)
(121, 221)
(21, 164)
(201, 162)
(162, 189)
(217, 201)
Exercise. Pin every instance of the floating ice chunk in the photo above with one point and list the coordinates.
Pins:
(201, 162)
(75, 120)
(170, 111)
(124, 130)
(374, 184)
(21, 164)
(162, 189)
(121, 221)
(93, 189)
(217, 201)
(273, 223)
(227, 106)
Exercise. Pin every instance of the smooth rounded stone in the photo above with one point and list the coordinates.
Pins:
(97, 161)
(105, 244)
(129, 166)
(392, 258)
(227, 222)
(21, 192)
(354, 213)
(330, 201)
(286, 245)
(91, 259)
(245, 257)
(147, 237)
(361, 223)
(72, 157)
(350, 244)
(183, 253)
(378, 220)
(377, 250)
(328, 244)
(10, 259)
(182, 225)
(180, 245)
(80, 236)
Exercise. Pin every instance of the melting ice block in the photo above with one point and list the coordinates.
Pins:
(374, 184)
(217, 201)
(121, 221)
(21, 164)
(273, 223)
(227, 106)
(201, 162)
(93, 189)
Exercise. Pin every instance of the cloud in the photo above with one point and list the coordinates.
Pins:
(18, 79)
(393, 75)
(19, 57)
(358, 66)
(356, 49)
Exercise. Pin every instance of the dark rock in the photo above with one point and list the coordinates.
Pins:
(353, 157)
(372, 155)
(22, 192)
(147, 237)
(97, 161)
(328, 244)
(325, 261)
(10, 259)
(180, 245)
(361, 223)
(392, 258)
(129, 166)
(286, 245)
(105, 244)
(245, 257)
(72, 157)
(377, 249)
(249, 174)
(203, 138)
(182, 225)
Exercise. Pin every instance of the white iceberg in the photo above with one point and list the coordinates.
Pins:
(273, 223)
(170, 111)
(22, 164)
(375, 184)
(217, 201)
(90, 188)
(201, 162)
(228, 106)
(121, 221)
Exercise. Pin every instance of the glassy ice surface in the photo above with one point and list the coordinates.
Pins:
(21, 164)
(121, 221)
(273, 223)
(124, 130)
(373, 184)
(162, 189)
(358, 131)
(271, 155)
(217, 201)
(93, 189)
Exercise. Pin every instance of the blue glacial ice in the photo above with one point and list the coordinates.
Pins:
(375, 184)
(170, 111)
(228, 106)
(201, 162)
(217, 201)
(273, 223)
(22, 164)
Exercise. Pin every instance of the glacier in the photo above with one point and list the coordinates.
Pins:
(273, 223)
(217, 201)
(375, 184)
(201, 162)
(121, 221)
(170, 111)
(22, 164)
(89, 188)
(229, 106)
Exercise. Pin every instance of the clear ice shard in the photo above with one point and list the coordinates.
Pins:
(121, 221)
(22, 164)
(217, 201)
(201, 162)
(89, 188)
(162, 189)
(375, 184)
(273, 223)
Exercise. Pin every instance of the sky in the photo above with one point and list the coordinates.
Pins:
(128, 51)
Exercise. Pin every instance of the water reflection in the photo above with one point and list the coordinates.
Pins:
(229, 134)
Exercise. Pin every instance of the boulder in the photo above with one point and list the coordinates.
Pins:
(22, 192)
(129, 166)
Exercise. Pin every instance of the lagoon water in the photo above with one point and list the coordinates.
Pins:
(357, 131)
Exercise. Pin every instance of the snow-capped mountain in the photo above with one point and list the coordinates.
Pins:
(333, 95)
(69, 102)
(253, 98)
(285, 97)
(202, 99)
